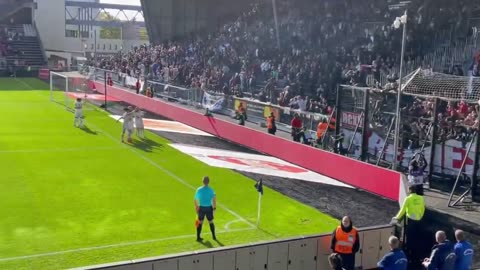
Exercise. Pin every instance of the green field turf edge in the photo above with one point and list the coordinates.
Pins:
(73, 198)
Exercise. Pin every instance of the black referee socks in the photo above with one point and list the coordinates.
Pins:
(212, 229)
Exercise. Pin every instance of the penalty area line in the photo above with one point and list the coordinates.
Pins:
(24, 83)
(125, 244)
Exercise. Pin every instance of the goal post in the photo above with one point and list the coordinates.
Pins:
(66, 87)
(58, 88)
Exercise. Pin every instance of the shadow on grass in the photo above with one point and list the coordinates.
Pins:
(88, 130)
(219, 243)
(147, 145)
(207, 244)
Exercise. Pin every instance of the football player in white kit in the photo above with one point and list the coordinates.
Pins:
(139, 122)
(127, 123)
(78, 122)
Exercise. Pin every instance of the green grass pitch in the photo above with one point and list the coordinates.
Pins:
(73, 198)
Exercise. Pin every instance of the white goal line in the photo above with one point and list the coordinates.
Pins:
(124, 244)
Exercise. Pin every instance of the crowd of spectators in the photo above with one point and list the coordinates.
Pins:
(319, 48)
(319, 45)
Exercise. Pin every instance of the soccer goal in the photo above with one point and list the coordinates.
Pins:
(66, 87)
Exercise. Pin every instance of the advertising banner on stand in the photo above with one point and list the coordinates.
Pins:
(44, 74)
(213, 102)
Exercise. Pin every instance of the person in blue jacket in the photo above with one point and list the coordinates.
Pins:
(464, 252)
(395, 259)
(442, 257)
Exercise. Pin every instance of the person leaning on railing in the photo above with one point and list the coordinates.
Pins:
(413, 208)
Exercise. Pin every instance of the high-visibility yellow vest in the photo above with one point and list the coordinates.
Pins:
(413, 206)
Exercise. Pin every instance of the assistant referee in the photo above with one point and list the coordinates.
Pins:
(205, 205)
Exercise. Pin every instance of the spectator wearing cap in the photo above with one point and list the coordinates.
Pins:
(443, 256)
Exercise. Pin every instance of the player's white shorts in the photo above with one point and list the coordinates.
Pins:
(127, 128)
(78, 114)
(139, 124)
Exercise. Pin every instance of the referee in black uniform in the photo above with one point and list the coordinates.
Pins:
(205, 205)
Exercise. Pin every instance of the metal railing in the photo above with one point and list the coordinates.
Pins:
(257, 111)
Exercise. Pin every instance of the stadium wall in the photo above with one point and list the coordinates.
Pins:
(380, 181)
(306, 253)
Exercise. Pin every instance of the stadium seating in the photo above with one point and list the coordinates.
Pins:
(23, 46)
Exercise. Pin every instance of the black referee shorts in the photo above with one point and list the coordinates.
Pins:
(205, 211)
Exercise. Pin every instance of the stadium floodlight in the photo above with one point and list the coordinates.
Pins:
(399, 21)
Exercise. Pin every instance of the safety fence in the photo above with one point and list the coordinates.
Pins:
(438, 121)
(256, 111)
(304, 253)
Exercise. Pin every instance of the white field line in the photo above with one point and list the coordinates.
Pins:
(174, 176)
(227, 225)
(124, 244)
(24, 83)
(48, 150)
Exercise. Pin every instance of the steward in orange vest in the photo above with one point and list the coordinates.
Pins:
(345, 242)
(271, 125)
(321, 129)
(241, 114)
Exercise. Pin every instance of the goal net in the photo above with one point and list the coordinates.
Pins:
(428, 84)
(66, 87)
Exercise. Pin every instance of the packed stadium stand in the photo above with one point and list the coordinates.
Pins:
(318, 50)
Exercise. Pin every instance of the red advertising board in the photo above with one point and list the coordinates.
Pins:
(44, 73)
(383, 182)
(351, 120)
